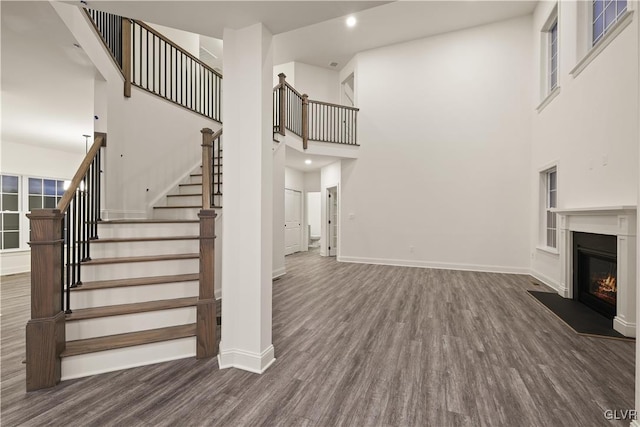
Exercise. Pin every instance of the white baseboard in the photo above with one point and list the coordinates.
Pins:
(548, 281)
(278, 272)
(15, 262)
(435, 265)
(246, 360)
(628, 329)
(115, 214)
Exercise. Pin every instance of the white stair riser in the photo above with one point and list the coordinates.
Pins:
(195, 179)
(190, 189)
(176, 213)
(84, 365)
(132, 294)
(159, 247)
(190, 200)
(148, 230)
(113, 325)
(139, 269)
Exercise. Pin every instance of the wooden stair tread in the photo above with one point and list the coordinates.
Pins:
(142, 239)
(137, 281)
(138, 307)
(185, 185)
(146, 258)
(110, 342)
(184, 195)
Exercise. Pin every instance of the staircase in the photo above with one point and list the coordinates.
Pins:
(137, 302)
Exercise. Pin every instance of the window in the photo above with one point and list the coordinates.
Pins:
(10, 208)
(551, 201)
(44, 193)
(553, 56)
(605, 13)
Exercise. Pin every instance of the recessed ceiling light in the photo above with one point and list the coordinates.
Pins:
(351, 21)
(307, 162)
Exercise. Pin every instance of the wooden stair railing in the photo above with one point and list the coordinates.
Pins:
(152, 62)
(206, 331)
(60, 242)
(312, 120)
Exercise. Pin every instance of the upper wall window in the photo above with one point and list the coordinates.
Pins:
(553, 56)
(605, 13)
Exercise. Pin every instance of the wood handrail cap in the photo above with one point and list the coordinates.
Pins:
(207, 130)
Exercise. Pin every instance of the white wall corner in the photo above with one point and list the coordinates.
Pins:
(257, 363)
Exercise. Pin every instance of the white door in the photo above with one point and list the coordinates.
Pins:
(332, 221)
(292, 221)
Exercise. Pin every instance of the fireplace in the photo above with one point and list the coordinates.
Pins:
(615, 224)
(595, 272)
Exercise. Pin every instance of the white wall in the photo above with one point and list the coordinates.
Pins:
(319, 83)
(590, 129)
(293, 179)
(445, 133)
(186, 40)
(312, 181)
(288, 69)
(44, 114)
(278, 210)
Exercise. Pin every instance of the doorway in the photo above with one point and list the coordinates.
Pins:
(314, 221)
(332, 221)
(292, 221)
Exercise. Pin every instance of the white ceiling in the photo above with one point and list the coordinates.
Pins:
(210, 18)
(314, 32)
(47, 83)
(396, 22)
(296, 160)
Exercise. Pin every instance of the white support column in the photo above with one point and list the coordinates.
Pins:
(248, 205)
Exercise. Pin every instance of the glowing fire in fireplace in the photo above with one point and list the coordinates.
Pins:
(605, 287)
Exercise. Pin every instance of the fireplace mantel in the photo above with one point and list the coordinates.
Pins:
(619, 221)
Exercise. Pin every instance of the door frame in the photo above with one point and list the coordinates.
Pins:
(336, 250)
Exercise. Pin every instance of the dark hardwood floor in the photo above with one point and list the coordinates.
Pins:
(357, 345)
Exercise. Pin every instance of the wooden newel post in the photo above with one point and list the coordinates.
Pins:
(305, 120)
(126, 55)
(45, 334)
(206, 326)
(282, 103)
(207, 167)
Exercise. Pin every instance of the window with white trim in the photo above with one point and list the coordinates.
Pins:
(553, 56)
(549, 180)
(605, 13)
(10, 211)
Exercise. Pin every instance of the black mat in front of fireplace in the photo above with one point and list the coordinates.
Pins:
(578, 316)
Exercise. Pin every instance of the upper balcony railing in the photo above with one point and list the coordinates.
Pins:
(152, 62)
(312, 120)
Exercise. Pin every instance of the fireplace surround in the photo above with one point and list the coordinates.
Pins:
(616, 221)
